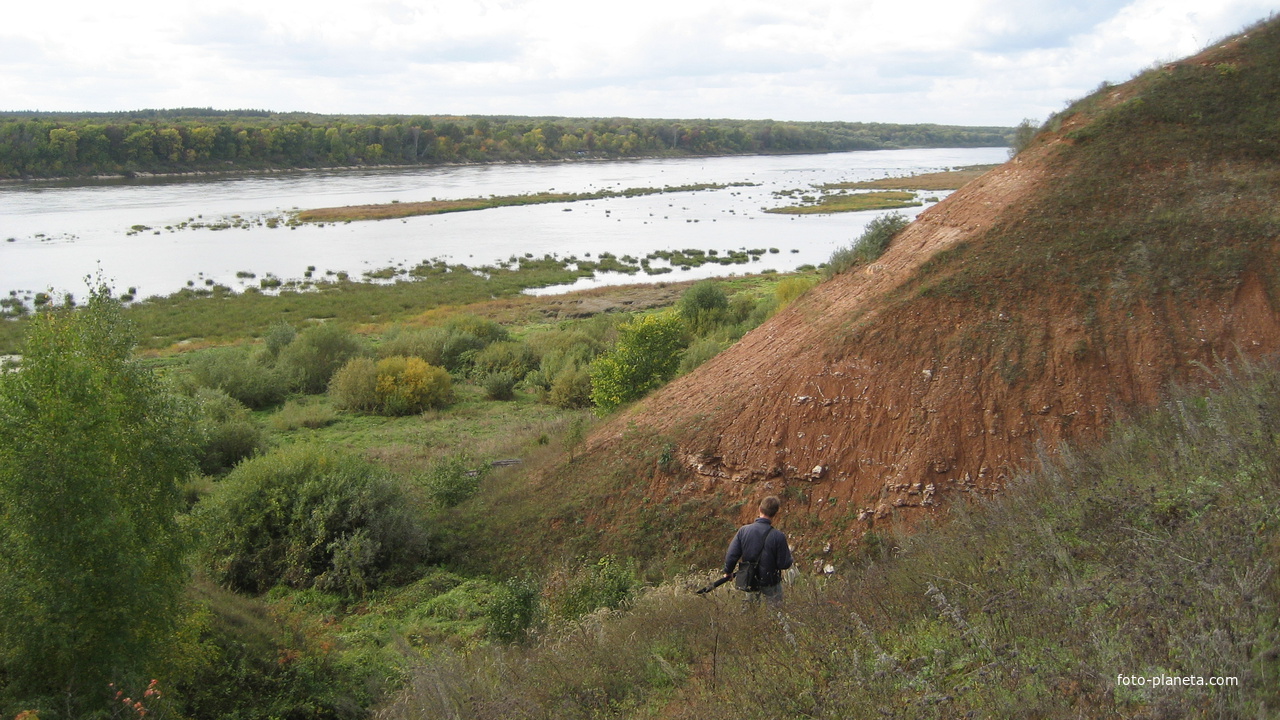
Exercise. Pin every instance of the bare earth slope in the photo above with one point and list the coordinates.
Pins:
(1127, 249)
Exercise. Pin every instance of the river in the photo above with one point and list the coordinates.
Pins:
(54, 235)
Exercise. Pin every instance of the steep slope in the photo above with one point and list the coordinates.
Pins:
(1131, 245)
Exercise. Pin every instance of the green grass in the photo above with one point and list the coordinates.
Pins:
(485, 429)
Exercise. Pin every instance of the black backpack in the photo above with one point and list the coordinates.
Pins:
(747, 578)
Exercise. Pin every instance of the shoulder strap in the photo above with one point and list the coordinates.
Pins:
(763, 542)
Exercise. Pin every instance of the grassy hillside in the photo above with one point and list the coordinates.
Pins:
(1152, 555)
(1131, 244)
(1144, 249)
(1166, 184)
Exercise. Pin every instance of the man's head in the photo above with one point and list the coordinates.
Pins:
(769, 506)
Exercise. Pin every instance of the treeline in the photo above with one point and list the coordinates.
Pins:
(34, 145)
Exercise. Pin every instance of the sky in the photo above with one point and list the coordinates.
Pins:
(962, 62)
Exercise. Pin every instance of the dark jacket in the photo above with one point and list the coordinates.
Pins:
(775, 557)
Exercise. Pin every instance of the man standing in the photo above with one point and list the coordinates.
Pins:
(762, 547)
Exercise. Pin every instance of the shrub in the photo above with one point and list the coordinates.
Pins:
(646, 356)
(562, 351)
(500, 385)
(1023, 134)
(446, 347)
(512, 611)
(278, 337)
(762, 310)
(253, 665)
(228, 433)
(453, 345)
(486, 331)
(424, 343)
(239, 374)
(454, 479)
(514, 358)
(571, 388)
(355, 385)
(409, 385)
(704, 306)
(306, 516)
(578, 589)
(869, 246)
(316, 354)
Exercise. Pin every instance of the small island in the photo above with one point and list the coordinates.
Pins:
(392, 210)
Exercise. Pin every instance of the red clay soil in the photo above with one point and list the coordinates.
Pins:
(881, 411)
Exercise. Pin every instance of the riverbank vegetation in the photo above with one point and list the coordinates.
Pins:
(309, 475)
(838, 202)
(216, 314)
(36, 145)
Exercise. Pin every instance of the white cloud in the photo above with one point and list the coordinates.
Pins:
(952, 61)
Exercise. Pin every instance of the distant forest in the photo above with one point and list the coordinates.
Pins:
(35, 145)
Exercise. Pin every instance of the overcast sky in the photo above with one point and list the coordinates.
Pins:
(970, 62)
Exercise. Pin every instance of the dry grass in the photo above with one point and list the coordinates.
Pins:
(1151, 555)
(949, 180)
(391, 210)
(856, 202)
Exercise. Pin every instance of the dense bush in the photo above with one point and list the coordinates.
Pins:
(228, 433)
(571, 388)
(514, 358)
(241, 374)
(316, 354)
(305, 516)
(1023, 134)
(452, 480)
(704, 307)
(392, 386)
(561, 378)
(409, 385)
(277, 338)
(869, 246)
(452, 345)
(646, 356)
(580, 588)
(513, 611)
(499, 385)
(425, 343)
(355, 386)
(250, 665)
(92, 446)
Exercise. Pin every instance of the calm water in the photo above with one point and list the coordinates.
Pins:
(58, 234)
